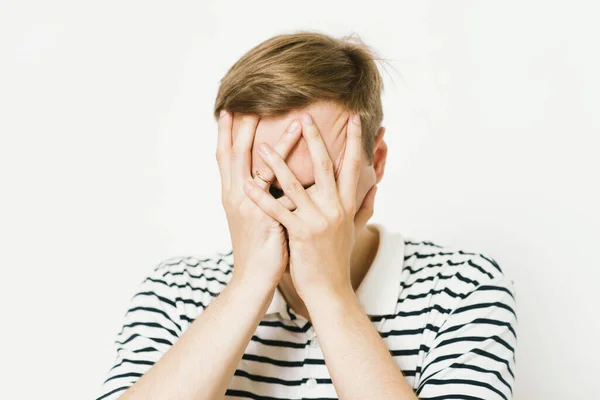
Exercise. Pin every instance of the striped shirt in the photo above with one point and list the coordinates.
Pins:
(447, 316)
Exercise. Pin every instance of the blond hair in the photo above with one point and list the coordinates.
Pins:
(292, 71)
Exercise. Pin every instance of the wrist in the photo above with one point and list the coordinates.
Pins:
(255, 294)
(329, 299)
(260, 283)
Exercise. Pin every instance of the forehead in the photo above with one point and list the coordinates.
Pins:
(330, 118)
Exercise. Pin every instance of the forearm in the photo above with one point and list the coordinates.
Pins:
(358, 360)
(202, 362)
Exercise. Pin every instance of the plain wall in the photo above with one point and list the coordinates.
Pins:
(107, 162)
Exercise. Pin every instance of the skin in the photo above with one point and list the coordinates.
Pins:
(359, 362)
(332, 121)
(322, 232)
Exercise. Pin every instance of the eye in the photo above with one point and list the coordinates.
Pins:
(275, 192)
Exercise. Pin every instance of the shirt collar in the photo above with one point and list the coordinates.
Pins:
(378, 292)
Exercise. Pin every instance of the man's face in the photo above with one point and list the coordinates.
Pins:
(332, 121)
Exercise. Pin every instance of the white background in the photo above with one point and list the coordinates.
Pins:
(107, 162)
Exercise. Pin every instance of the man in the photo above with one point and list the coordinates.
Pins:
(312, 302)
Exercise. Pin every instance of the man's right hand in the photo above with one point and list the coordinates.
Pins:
(259, 242)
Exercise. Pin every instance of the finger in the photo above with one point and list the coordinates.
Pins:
(242, 145)
(283, 147)
(269, 205)
(348, 179)
(290, 185)
(322, 164)
(283, 199)
(365, 212)
(223, 154)
(287, 202)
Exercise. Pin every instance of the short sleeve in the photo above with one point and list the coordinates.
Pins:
(473, 353)
(150, 327)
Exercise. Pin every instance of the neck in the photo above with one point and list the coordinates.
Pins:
(363, 254)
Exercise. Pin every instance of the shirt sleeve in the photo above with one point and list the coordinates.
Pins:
(473, 353)
(150, 327)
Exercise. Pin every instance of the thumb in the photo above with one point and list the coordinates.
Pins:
(366, 209)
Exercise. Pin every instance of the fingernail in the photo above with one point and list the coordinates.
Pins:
(293, 127)
(248, 186)
(356, 119)
(307, 119)
(222, 114)
(264, 148)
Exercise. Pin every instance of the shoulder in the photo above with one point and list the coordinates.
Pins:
(211, 267)
(423, 257)
(470, 321)
(188, 283)
(451, 273)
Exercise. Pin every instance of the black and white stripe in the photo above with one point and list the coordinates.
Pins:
(452, 330)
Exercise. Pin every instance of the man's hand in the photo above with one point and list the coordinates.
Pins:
(322, 228)
(321, 234)
(259, 242)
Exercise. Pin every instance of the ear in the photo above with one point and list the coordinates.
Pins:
(379, 154)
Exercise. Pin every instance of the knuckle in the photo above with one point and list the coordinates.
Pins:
(294, 186)
(248, 120)
(327, 165)
(313, 133)
(337, 216)
(262, 173)
(276, 157)
(268, 208)
(221, 126)
(220, 156)
(321, 225)
(261, 201)
(355, 164)
(350, 209)
(303, 234)
(226, 201)
(235, 153)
